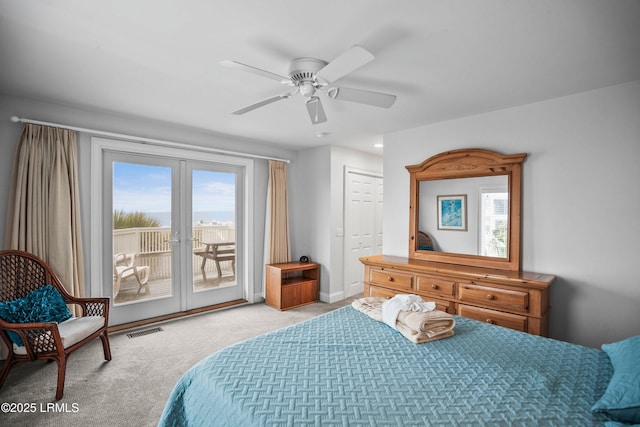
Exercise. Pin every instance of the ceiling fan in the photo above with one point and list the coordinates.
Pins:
(308, 76)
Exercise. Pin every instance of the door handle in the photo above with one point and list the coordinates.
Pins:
(175, 239)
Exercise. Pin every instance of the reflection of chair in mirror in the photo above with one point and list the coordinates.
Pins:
(424, 241)
(124, 267)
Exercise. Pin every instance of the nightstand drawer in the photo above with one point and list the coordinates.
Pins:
(392, 279)
(507, 320)
(497, 297)
(436, 286)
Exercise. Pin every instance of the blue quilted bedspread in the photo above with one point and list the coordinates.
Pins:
(344, 368)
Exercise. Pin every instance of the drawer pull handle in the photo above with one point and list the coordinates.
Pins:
(490, 297)
(434, 286)
(390, 279)
(491, 322)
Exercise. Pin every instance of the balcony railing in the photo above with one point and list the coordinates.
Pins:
(153, 248)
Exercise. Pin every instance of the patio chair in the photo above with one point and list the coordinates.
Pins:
(33, 309)
(124, 267)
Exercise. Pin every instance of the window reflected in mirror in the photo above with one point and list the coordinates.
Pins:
(494, 222)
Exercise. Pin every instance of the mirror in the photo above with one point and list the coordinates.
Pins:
(468, 204)
(482, 219)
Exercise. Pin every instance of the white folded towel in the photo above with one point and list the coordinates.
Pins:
(403, 302)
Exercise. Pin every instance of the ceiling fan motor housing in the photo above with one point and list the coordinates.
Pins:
(302, 72)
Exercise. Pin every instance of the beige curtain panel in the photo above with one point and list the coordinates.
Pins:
(279, 250)
(43, 211)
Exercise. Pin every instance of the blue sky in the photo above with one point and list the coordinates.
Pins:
(148, 189)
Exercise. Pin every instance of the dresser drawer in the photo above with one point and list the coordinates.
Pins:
(496, 297)
(443, 305)
(375, 291)
(507, 320)
(393, 279)
(436, 286)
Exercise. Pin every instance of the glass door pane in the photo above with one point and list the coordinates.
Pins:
(216, 267)
(141, 232)
(141, 235)
(214, 229)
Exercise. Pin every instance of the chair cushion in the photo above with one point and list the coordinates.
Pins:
(44, 304)
(72, 331)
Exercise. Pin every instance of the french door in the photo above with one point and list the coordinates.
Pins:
(172, 232)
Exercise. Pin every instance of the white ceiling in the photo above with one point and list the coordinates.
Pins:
(160, 59)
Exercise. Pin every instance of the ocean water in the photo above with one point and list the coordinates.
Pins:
(222, 217)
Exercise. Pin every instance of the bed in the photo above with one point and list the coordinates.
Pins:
(344, 368)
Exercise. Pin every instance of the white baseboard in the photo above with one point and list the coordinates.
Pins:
(336, 296)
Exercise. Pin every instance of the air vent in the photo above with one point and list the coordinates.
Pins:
(137, 334)
(301, 76)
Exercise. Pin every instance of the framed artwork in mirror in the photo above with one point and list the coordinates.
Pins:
(452, 212)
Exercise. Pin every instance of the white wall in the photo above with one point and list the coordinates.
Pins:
(310, 195)
(581, 200)
(318, 199)
(9, 133)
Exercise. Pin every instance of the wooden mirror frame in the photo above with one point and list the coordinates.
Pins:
(469, 163)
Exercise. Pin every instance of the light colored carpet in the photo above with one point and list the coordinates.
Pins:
(131, 390)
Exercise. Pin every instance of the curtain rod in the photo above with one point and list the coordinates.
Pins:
(16, 119)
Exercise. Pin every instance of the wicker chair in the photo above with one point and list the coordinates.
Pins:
(424, 241)
(22, 273)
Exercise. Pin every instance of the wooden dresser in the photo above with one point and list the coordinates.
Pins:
(513, 299)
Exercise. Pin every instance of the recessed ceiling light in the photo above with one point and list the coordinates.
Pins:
(378, 145)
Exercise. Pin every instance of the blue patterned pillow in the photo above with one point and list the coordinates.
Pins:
(45, 304)
(621, 400)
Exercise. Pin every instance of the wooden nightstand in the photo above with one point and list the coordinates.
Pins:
(292, 284)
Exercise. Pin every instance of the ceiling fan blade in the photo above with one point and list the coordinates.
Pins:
(316, 112)
(377, 99)
(255, 70)
(261, 104)
(348, 61)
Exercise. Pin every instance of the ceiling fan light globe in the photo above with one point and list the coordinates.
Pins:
(307, 89)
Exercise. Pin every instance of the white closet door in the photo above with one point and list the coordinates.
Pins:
(363, 225)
